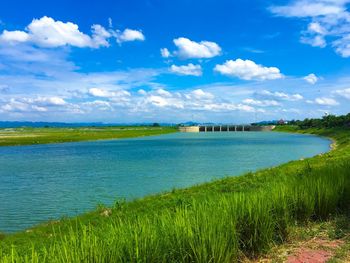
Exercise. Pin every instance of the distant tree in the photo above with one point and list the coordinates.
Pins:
(327, 121)
(155, 124)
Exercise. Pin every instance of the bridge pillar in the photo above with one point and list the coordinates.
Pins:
(205, 128)
(220, 128)
(243, 128)
(235, 128)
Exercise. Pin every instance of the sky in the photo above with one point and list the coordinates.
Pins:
(171, 61)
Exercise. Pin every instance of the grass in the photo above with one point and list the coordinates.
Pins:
(28, 136)
(222, 221)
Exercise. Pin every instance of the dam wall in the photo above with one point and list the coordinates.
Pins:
(189, 129)
(225, 128)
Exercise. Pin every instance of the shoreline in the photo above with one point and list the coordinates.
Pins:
(42, 136)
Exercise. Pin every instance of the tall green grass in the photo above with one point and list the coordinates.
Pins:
(218, 227)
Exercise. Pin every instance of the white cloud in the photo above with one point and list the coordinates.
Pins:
(100, 36)
(326, 101)
(280, 95)
(199, 94)
(195, 100)
(311, 78)
(328, 20)
(317, 28)
(130, 35)
(261, 103)
(46, 32)
(342, 45)
(188, 70)
(14, 36)
(315, 41)
(49, 33)
(308, 8)
(163, 92)
(96, 92)
(141, 92)
(118, 95)
(191, 49)
(98, 104)
(165, 53)
(345, 93)
(49, 101)
(248, 70)
(39, 104)
(17, 106)
(161, 102)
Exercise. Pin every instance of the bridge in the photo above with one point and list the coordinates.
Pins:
(225, 128)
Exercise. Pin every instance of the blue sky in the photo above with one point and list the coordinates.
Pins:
(174, 61)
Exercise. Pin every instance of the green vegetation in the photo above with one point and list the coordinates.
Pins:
(221, 221)
(328, 121)
(26, 136)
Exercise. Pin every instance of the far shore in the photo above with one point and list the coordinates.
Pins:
(32, 136)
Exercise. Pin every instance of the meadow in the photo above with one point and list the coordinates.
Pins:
(29, 136)
(221, 221)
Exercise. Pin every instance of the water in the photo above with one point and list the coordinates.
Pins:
(43, 182)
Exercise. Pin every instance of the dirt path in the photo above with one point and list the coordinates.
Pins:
(316, 250)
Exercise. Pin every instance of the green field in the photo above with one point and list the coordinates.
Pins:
(222, 221)
(27, 136)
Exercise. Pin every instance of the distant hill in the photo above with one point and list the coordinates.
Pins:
(18, 124)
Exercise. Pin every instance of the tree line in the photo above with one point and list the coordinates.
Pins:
(327, 121)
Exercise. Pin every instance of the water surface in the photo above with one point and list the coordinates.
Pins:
(43, 182)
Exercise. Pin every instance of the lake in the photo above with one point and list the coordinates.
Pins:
(43, 182)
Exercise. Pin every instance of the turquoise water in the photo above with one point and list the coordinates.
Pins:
(43, 182)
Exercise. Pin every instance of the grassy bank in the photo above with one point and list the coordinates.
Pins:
(28, 136)
(221, 221)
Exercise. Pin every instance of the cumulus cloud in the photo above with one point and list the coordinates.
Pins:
(190, 49)
(39, 104)
(96, 92)
(195, 100)
(188, 70)
(280, 95)
(327, 21)
(14, 36)
(248, 70)
(199, 94)
(118, 95)
(49, 33)
(162, 102)
(129, 35)
(261, 103)
(48, 101)
(326, 101)
(311, 78)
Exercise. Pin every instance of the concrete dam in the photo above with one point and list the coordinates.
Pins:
(225, 128)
